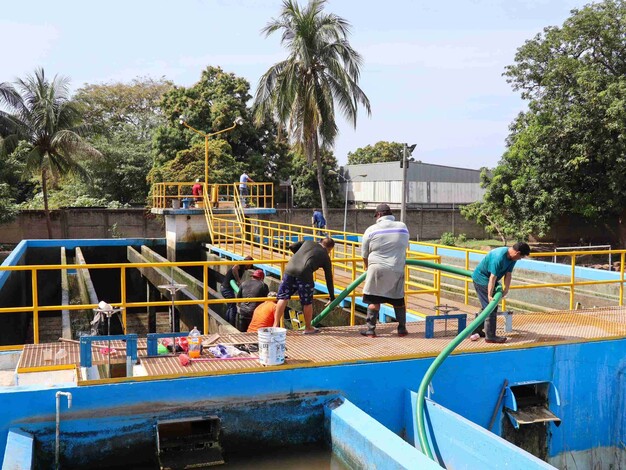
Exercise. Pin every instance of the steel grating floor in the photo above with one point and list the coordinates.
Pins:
(344, 345)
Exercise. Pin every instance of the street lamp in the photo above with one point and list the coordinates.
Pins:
(346, 181)
(406, 151)
(237, 122)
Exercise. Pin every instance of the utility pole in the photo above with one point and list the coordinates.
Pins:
(405, 172)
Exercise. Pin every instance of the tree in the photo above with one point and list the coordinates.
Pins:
(321, 70)
(210, 105)
(566, 154)
(41, 114)
(123, 118)
(306, 190)
(131, 108)
(380, 152)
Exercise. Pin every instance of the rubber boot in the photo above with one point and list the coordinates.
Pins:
(490, 326)
(401, 319)
(480, 329)
(370, 321)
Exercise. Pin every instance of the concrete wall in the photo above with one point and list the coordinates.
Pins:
(83, 223)
(423, 224)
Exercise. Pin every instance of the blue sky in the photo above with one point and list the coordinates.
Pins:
(432, 70)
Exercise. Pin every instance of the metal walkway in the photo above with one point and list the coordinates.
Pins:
(344, 345)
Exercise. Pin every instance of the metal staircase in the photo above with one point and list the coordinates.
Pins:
(224, 226)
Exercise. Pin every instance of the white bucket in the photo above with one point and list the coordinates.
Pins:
(272, 346)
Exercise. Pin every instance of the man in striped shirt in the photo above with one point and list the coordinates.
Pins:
(384, 255)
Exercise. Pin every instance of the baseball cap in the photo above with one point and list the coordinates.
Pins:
(258, 274)
(382, 208)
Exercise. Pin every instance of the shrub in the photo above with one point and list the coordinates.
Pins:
(447, 239)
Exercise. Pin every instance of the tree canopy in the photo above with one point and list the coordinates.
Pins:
(378, 153)
(210, 105)
(41, 116)
(320, 73)
(566, 154)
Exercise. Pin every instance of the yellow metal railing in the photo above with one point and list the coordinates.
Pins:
(271, 240)
(570, 283)
(36, 308)
(171, 194)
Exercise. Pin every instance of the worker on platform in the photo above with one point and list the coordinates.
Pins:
(252, 288)
(308, 257)
(196, 191)
(498, 263)
(263, 316)
(234, 273)
(384, 255)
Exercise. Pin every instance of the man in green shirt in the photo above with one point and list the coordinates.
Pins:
(498, 263)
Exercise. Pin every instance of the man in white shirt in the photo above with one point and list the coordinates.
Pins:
(384, 255)
(243, 187)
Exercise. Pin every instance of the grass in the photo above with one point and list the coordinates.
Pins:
(472, 244)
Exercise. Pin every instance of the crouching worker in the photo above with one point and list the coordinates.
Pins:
(253, 287)
(263, 316)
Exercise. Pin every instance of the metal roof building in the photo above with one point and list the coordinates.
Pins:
(428, 184)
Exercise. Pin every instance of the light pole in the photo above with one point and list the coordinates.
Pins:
(404, 164)
(238, 122)
(346, 181)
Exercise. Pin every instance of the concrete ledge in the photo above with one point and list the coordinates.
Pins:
(461, 444)
(363, 442)
(18, 454)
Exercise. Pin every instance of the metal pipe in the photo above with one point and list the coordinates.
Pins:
(345, 209)
(58, 425)
(405, 172)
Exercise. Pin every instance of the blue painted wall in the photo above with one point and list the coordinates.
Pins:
(588, 376)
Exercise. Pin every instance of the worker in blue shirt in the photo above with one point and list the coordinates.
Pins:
(318, 221)
(498, 263)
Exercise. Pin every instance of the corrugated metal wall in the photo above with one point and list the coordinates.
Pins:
(428, 184)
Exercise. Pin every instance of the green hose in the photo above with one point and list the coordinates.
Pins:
(361, 278)
(234, 285)
(338, 299)
(421, 393)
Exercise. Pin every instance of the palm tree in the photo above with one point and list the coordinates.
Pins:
(322, 69)
(39, 112)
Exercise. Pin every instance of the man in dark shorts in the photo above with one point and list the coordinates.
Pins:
(308, 257)
(384, 255)
(234, 273)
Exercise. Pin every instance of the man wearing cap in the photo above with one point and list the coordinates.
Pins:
(253, 287)
(308, 257)
(196, 190)
(498, 263)
(384, 255)
(263, 316)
